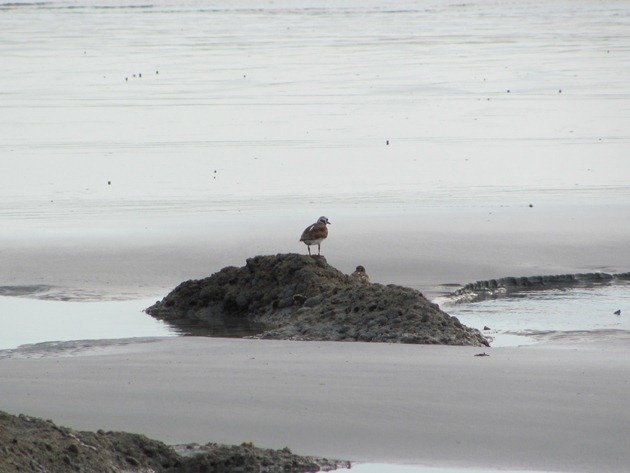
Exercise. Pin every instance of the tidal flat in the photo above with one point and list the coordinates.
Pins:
(148, 144)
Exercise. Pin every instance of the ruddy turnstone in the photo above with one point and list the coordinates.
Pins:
(315, 234)
(360, 275)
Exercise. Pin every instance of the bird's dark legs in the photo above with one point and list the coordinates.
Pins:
(318, 249)
(309, 249)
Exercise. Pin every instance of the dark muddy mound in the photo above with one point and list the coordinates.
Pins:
(297, 297)
(33, 445)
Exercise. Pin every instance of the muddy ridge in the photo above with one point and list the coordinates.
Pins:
(493, 288)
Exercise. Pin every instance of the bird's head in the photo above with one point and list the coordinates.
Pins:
(360, 269)
(323, 220)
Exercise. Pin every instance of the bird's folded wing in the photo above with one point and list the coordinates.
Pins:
(305, 233)
(318, 231)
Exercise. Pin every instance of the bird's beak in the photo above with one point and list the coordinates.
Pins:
(328, 222)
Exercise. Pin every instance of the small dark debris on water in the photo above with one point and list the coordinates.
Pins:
(485, 327)
(140, 75)
(134, 75)
(559, 91)
(531, 205)
(126, 79)
(508, 91)
(157, 72)
(482, 354)
(387, 142)
(109, 183)
(617, 312)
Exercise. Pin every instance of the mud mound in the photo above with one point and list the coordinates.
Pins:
(290, 296)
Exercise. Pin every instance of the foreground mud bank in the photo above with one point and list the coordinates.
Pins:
(297, 297)
(31, 444)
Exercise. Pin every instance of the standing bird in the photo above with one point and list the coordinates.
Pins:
(315, 234)
(360, 275)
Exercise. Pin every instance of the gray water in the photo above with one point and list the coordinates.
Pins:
(517, 319)
(26, 321)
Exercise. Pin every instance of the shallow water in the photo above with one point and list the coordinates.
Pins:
(26, 320)
(513, 318)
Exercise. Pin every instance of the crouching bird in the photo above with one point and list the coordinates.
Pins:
(360, 275)
(316, 233)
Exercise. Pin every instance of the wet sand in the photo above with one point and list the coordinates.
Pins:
(561, 407)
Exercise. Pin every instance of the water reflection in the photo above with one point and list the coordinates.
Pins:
(26, 320)
(511, 319)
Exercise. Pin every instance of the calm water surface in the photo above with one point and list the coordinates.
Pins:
(25, 321)
(511, 319)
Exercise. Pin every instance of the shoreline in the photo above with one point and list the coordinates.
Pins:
(440, 406)
(554, 339)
